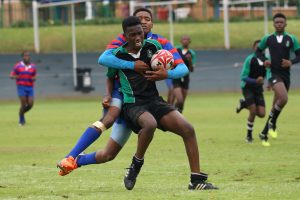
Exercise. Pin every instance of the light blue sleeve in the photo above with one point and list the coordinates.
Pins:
(108, 59)
(179, 71)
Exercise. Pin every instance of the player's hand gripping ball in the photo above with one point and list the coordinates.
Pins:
(162, 58)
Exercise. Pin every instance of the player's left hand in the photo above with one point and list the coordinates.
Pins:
(286, 63)
(160, 74)
(106, 101)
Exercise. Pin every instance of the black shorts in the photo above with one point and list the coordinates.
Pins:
(277, 78)
(182, 82)
(254, 96)
(156, 106)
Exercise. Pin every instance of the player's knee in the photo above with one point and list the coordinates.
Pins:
(28, 107)
(108, 120)
(108, 156)
(150, 126)
(188, 131)
(261, 114)
(103, 156)
(98, 126)
(253, 112)
(284, 100)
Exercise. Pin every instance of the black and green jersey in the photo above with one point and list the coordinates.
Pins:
(190, 52)
(134, 86)
(280, 47)
(253, 67)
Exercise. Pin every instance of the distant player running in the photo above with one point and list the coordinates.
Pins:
(252, 80)
(146, 111)
(25, 74)
(181, 85)
(280, 45)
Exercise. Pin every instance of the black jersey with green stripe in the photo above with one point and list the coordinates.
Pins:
(253, 67)
(134, 86)
(280, 47)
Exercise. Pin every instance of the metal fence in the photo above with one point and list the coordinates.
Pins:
(18, 13)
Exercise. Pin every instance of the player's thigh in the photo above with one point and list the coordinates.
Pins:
(30, 100)
(112, 113)
(147, 120)
(249, 97)
(23, 100)
(120, 133)
(184, 93)
(175, 122)
(280, 91)
(112, 148)
(260, 111)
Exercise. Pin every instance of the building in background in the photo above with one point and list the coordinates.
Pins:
(19, 12)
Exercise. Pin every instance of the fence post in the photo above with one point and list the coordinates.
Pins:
(1, 13)
(36, 26)
(298, 8)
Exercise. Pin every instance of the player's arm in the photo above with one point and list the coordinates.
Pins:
(14, 73)
(246, 70)
(260, 51)
(180, 69)
(296, 49)
(108, 90)
(108, 87)
(108, 58)
(34, 76)
(193, 60)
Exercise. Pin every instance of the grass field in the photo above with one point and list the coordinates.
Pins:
(28, 155)
(94, 38)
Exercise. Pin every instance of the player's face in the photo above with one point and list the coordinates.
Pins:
(279, 24)
(185, 41)
(146, 21)
(26, 57)
(134, 36)
(255, 46)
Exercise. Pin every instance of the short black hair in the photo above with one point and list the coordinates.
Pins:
(130, 21)
(23, 52)
(142, 10)
(255, 42)
(279, 15)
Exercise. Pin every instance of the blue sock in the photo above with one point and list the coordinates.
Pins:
(21, 119)
(87, 138)
(87, 159)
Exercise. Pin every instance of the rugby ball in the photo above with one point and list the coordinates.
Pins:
(162, 58)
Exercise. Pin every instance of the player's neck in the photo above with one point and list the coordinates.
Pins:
(279, 32)
(132, 50)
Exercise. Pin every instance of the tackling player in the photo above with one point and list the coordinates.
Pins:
(113, 102)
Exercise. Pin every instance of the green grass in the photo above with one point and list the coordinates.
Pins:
(94, 38)
(28, 154)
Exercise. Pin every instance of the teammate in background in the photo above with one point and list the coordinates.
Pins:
(170, 97)
(145, 110)
(181, 85)
(280, 45)
(252, 80)
(25, 74)
(112, 102)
